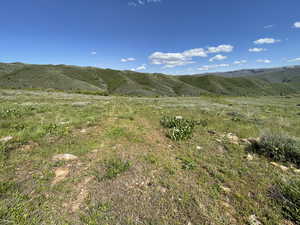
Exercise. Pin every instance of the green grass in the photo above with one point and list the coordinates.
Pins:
(128, 171)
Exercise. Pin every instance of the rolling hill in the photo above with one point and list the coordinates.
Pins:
(278, 81)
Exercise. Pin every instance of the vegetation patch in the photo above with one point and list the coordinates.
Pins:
(96, 215)
(287, 196)
(179, 128)
(279, 147)
(114, 167)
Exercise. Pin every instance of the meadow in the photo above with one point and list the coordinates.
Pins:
(124, 167)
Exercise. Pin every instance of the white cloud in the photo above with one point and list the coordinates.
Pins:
(170, 60)
(238, 62)
(142, 67)
(200, 52)
(263, 61)
(217, 58)
(220, 48)
(294, 60)
(257, 49)
(210, 67)
(269, 26)
(93, 53)
(128, 59)
(266, 41)
(297, 24)
(142, 2)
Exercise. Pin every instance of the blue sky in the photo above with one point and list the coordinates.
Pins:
(167, 36)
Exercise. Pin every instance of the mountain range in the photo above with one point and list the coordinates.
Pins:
(252, 82)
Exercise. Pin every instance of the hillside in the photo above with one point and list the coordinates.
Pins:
(114, 82)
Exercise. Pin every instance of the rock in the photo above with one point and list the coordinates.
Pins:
(83, 131)
(64, 157)
(296, 171)
(60, 174)
(233, 138)
(225, 189)
(245, 141)
(178, 117)
(80, 104)
(250, 157)
(199, 148)
(253, 220)
(283, 168)
(6, 139)
(253, 140)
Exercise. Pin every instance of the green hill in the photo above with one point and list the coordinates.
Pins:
(115, 82)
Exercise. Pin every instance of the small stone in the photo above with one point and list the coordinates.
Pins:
(274, 164)
(283, 168)
(297, 171)
(199, 148)
(246, 141)
(6, 139)
(83, 131)
(253, 220)
(60, 174)
(250, 157)
(178, 117)
(225, 189)
(64, 157)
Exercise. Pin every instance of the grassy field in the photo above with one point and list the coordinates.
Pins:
(125, 170)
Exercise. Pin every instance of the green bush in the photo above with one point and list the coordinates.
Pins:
(278, 147)
(179, 128)
(287, 196)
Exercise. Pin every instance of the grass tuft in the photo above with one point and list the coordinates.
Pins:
(114, 167)
(287, 196)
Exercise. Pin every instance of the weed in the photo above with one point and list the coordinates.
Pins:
(114, 167)
(96, 215)
(187, 163)
(179, 128)
(287, 196)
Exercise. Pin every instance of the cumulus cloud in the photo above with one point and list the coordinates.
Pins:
(269, 26)
(257, 49)
(218, 58)
(220, 48)
(142, 67)
(142, 2)
(266, 41)
(294, 60)
(210, 67)
(263, 61)
(297, 24)
(127, 59)
(239, 62)
(170, 60)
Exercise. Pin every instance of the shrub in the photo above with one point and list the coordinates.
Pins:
(179, 128)
(287, 196)
(278, 147)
